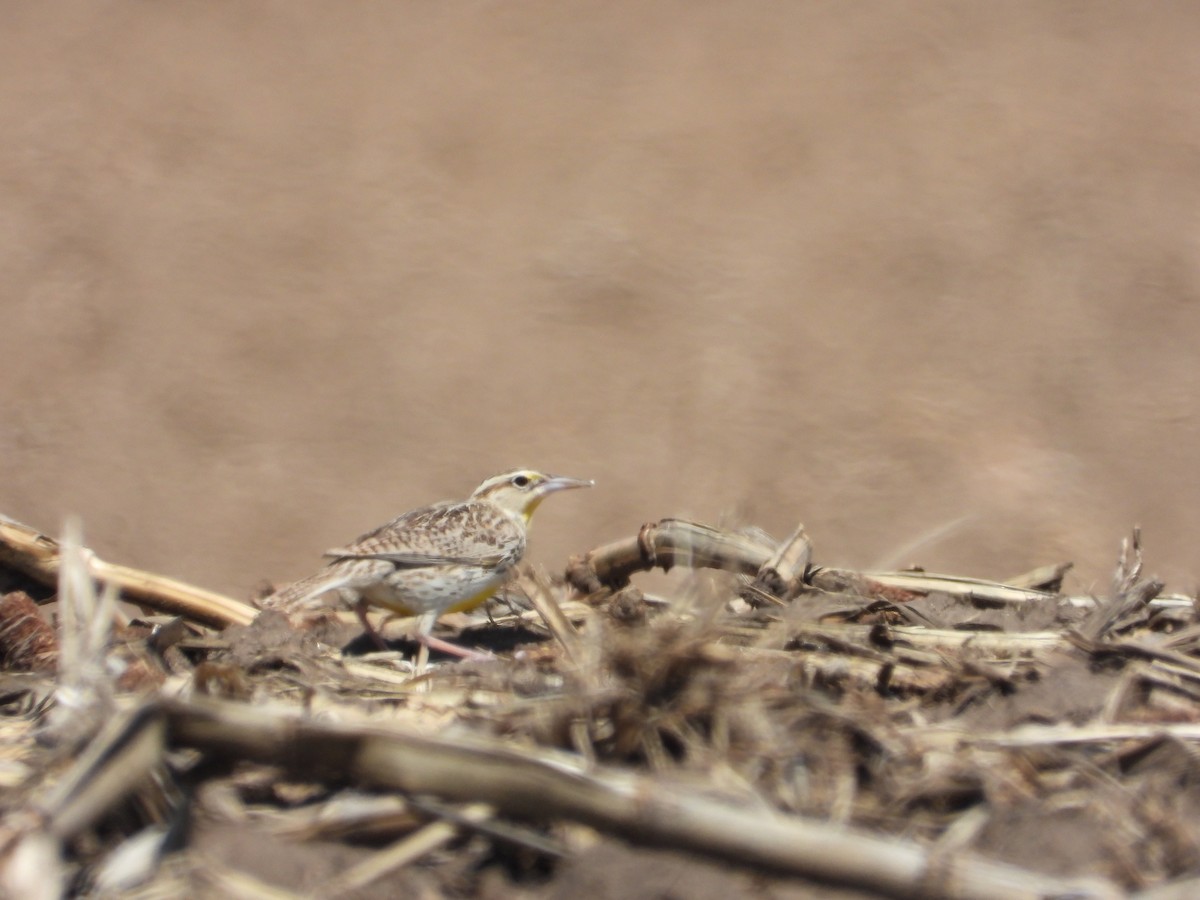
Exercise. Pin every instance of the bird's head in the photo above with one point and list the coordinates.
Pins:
(522, 490)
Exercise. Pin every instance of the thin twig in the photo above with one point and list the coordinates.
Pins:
(412, 847)
(537, 589)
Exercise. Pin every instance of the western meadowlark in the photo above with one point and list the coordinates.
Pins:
(447, 557)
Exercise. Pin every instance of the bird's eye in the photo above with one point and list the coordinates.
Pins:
(520, 481)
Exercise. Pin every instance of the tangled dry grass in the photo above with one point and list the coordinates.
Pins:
(777, 726)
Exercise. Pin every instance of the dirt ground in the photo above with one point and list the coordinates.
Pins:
(923, 276)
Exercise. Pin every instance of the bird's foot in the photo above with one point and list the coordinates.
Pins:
(453, 649)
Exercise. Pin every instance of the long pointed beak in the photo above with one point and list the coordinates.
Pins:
(562, 483)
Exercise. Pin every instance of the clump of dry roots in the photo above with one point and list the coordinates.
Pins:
(904, 734)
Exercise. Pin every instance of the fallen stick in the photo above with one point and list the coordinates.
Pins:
(530, 783)
(677, 542)
(38, 556)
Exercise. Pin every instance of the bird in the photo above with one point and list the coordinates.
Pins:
(446, 557)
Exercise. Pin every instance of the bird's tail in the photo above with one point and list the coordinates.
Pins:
(299, 594)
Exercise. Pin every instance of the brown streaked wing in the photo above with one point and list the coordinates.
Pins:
(470, 533)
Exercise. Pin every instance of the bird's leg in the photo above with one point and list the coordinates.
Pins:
(424, 626)
(361, 608)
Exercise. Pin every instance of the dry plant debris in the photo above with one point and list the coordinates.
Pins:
(789, 729)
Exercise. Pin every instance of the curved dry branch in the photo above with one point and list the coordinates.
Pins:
(666, 544)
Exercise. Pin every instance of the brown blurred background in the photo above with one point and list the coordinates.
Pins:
(272, 273)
